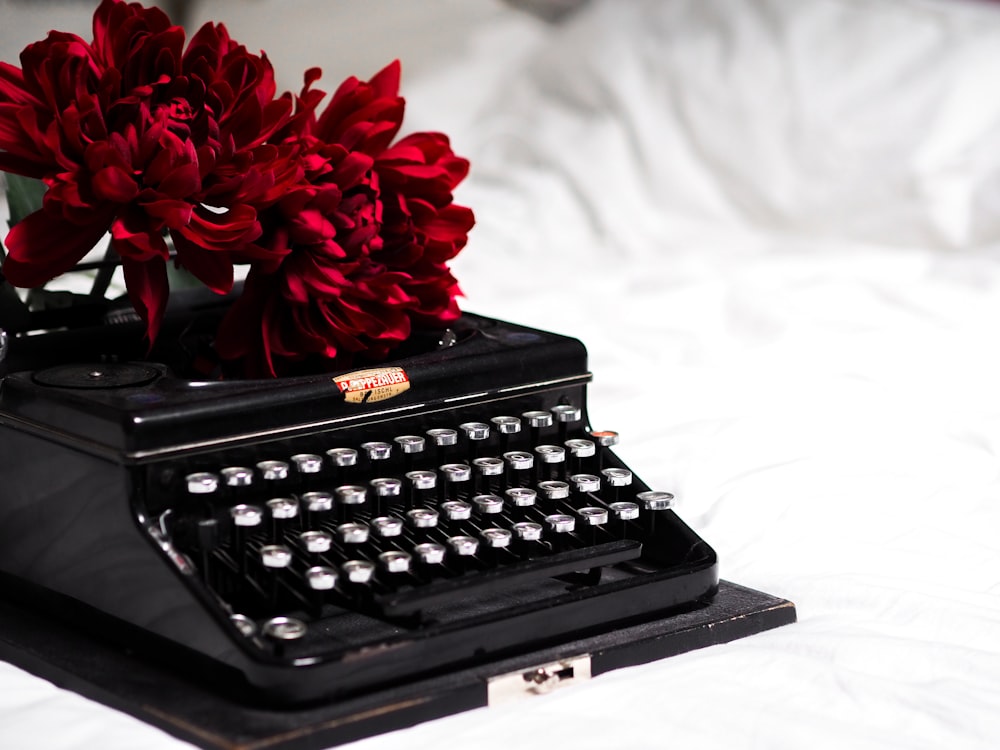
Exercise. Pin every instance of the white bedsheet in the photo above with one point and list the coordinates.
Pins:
(776, 225)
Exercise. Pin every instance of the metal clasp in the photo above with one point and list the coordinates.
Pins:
(538, 680)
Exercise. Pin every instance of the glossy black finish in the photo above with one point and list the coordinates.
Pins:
(96, 521)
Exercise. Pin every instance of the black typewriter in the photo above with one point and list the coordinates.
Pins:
(318, 537)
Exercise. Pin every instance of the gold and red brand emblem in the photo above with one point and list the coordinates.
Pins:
(377, 384)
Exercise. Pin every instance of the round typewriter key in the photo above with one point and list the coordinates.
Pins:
(387, 526)
(430, 553)
(507, 425)
(442, 436)
(321, 578)
(463, 546)
(488, 504)
(566, 413)
(353, 533)
(275, 556)
(283, 508)
(395, 561)
(456, 472)
(528, 531)
(580, 448)
(358, 571)
(550, 454)
(284, 629)
(244, 624)
(410, 443)
(307, 463)
(342, 457)
(456, 510)
(351, 494)
(585, 482)
(538, 418)
(519, 460)
(387, 486)
(554, 490)
(273, 470)
(281, 630)
(560, 523)
(246, 516)
(422, 518)
(201, 483)
(592, 516)
(605, 438)
(625, 511)
(488, 467)
(656, 500)
(496, 538)
(522, 497)
(422, 480)
(617, 477)
(475, 430)
(377, 450)
(317, 542)
(237, 476)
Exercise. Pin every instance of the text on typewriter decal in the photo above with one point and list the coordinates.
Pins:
(377, 384)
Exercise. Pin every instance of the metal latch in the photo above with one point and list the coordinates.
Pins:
(538, 680)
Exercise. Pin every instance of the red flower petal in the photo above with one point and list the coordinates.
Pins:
(148, 290)
(43, 245)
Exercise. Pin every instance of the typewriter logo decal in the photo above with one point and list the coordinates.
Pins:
(377, 384)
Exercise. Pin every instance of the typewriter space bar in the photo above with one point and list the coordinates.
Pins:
(412, 601)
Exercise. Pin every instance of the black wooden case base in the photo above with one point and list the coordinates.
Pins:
(97, 670)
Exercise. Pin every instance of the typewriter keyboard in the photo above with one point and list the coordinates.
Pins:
(401, 526)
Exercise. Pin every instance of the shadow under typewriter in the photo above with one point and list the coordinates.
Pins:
(328, 535)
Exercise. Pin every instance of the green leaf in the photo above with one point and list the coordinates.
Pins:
(24, 196)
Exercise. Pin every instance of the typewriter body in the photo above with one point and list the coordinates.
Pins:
(316, 537)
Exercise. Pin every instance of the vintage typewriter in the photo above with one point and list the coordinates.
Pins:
(316, 537)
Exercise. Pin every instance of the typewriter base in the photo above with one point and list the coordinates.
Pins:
(98, 671)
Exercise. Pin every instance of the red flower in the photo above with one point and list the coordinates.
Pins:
(368, 237)
(134, 134)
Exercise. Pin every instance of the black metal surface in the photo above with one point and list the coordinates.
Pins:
(191, 711)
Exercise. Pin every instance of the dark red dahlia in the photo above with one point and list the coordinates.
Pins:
(366, 239)
(135, 134)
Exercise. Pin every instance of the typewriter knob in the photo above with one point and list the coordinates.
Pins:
(554, 489)
(475, 430)
(410, 443)
(244, 624)
(430, 553)
(592, 516)
(237, 476)
(273, 470)
(350, 494)
(317, 542)
(353, 533)
(624, 511)
(395, 561)
(387, 526)
(343, 456)
(201, 483)
(528, 531)
(358, 571)
(284, 629)
(456, 472)
(321, 578)
(387, 486)
(519, 460)
(605, 438)
(522, 497)
(463, 546)
(275, 556)
(580, 448)
(617, 477)
(423, 518)
(488, 467)
(586, 482)
(307, 463)
(283, 508)
(456, 510)
(318, 502)
(496, 538)
(507, 425)
(246, 515)
(656, 500)
(488, 504)
(537, 418)
(550, 454)
(441, 436)
(560, 523)
(422, 480)
(566, 413)
(377, 450)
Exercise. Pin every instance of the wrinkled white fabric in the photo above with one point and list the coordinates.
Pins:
(775, 225)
